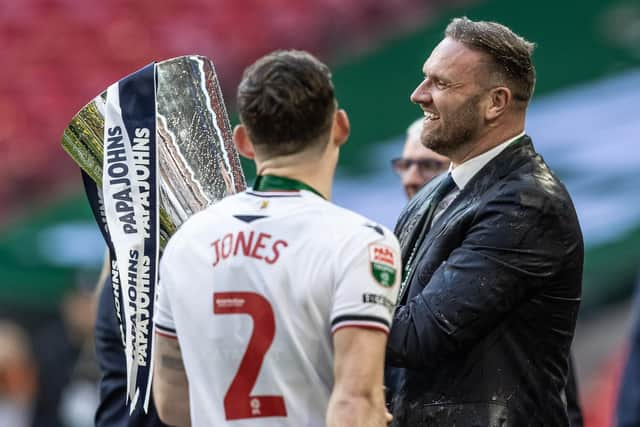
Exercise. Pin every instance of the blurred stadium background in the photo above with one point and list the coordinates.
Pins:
(58, 54)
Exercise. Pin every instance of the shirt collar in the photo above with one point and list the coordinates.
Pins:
(281, 183)
(463, 173)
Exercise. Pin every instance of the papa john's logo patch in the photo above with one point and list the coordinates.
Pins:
(383, 266)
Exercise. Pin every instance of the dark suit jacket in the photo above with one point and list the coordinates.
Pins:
(112, 411)
(482, 332)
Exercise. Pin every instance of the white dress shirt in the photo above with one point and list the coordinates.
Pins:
(463, 173)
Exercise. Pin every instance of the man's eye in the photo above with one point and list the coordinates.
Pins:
(440, 84)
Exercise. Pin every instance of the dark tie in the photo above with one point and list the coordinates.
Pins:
(444, 187)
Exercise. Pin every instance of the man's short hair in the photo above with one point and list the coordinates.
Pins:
(511, 53)
(286, 101)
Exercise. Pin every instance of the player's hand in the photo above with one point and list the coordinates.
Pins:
(388, 417)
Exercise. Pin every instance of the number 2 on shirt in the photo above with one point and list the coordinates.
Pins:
(238, 402)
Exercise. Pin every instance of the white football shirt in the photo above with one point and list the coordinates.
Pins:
(254, 286)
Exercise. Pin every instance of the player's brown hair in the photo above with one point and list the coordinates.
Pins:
(286, 101)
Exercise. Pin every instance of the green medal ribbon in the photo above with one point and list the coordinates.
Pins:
(273, 182)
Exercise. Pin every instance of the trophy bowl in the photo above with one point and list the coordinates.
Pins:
(198, 163)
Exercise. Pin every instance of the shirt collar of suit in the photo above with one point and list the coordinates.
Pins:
(463, 173)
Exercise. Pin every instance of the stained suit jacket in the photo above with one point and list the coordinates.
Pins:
(482, 332)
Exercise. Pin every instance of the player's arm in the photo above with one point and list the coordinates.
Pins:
(368, 266)
(170, 386)
(357, 399)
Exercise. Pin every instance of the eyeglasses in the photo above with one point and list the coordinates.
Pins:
(426, 167)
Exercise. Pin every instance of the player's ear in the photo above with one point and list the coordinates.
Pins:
(243, 142)
(341, 127)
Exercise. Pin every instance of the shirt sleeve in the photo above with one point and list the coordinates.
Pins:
(163, 317)
(368, 280)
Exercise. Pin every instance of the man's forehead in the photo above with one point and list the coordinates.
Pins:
(453, 59)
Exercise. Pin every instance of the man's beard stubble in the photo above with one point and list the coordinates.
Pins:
(459, 130)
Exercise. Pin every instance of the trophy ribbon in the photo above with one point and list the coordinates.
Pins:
(154, 148)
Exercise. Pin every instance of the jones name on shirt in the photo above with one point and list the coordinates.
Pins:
(261, 246)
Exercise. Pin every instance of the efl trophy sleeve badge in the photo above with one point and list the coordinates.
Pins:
(154, 148)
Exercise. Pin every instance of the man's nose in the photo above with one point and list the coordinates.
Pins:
(421, 94)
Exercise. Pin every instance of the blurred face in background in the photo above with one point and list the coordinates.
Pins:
(418, 164)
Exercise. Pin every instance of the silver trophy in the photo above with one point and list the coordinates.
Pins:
(155, 148)
(198, 163)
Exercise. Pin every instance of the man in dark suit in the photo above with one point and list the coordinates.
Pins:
(492, 251)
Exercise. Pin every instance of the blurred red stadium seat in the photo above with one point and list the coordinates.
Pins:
(58, 54)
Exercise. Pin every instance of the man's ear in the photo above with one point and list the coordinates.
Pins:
(499, 99)
(341, 127)
(243, 142)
